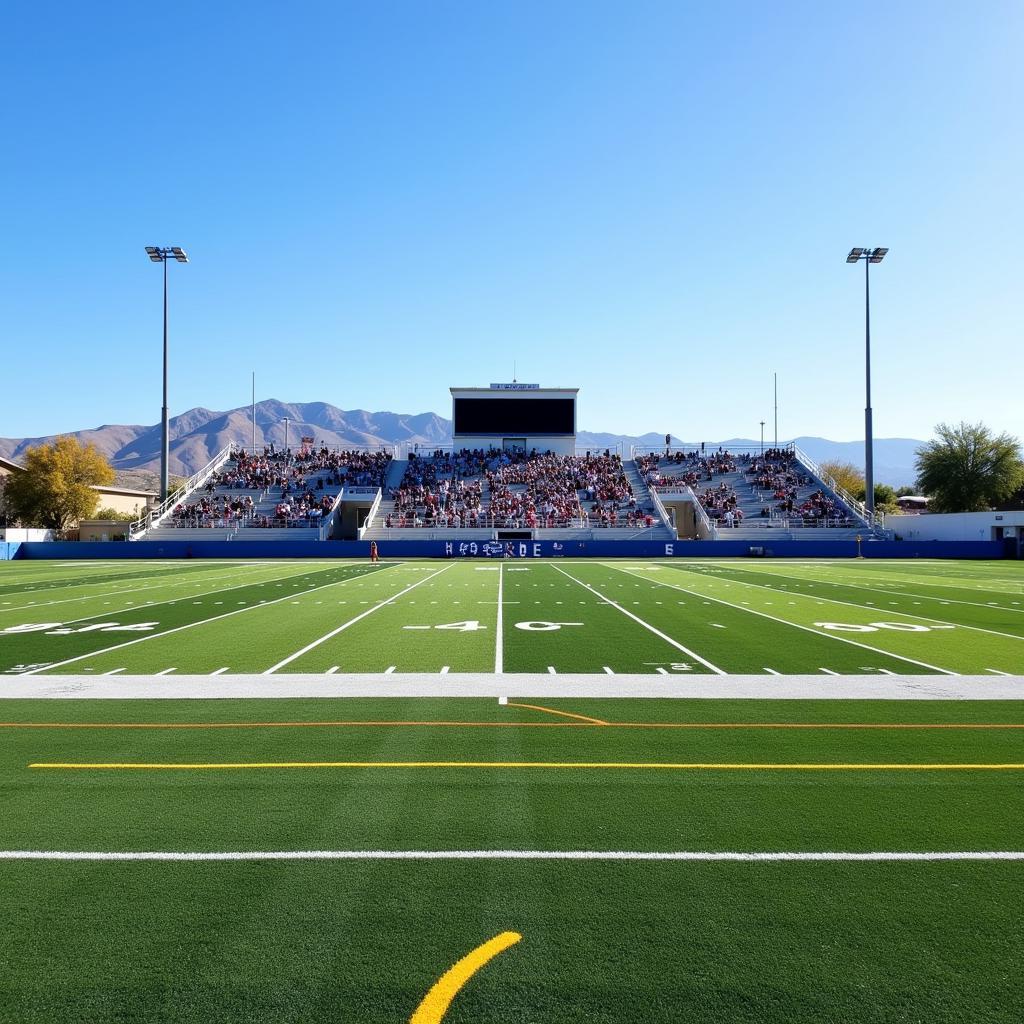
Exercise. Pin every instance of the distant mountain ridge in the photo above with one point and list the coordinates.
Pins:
(197, 436)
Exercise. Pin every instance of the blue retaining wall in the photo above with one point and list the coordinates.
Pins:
(494, 549)
(8, 550)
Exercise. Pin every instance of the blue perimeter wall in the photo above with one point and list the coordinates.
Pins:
(110, 550)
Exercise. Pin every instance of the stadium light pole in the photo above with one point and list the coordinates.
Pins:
(869, 256)
(161, 254)
(762, 438)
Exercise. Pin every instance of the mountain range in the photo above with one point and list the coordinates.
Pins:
(199, 434)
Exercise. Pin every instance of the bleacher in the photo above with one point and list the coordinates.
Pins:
(470, 494)
(267, 497)
(757, 495)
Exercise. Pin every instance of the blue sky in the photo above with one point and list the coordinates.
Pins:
(649, 201)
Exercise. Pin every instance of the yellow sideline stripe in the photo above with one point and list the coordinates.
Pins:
(554, 711)
(680, 766)
(436, 1002)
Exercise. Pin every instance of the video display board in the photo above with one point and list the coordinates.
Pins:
(537, 416)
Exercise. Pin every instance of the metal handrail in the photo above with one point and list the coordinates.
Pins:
(710, 449)
(369, 517)
(855, 505)
(154, 515)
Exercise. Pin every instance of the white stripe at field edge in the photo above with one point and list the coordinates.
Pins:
(786, 622)
(352, 622)
(189, 625)
(499, 640)
(598, 855)
(636, 618)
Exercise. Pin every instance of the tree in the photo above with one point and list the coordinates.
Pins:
(55, 488)
(113, 516)
(847, 475)
(967, 469)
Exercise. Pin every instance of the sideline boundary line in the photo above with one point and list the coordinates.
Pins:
(601, 855)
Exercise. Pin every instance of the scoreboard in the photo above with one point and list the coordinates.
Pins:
(515, 416)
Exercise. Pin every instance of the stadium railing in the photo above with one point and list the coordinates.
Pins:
(857, 507)
(154, 515)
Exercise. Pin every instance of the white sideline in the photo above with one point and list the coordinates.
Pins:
(605, 855)
(485, 684)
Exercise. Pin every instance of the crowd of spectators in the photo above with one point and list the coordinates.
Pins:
(775, 476)
(298, 480)
(493, 487)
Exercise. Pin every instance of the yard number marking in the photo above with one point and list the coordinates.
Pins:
(544, 627)
(874, 627)
(468, 626)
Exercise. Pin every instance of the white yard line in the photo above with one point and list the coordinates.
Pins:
(167, 672)
(795, 625)
(190, 581)
(499, 639)
(190, 625)
(629, 855)
(352, 622)
(877, 608)
(657, 632)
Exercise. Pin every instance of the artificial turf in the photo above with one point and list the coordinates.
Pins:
(606, 941)
(602, 941)
(672, 617)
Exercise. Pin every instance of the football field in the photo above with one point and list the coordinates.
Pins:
(605, 617)
(551, 860)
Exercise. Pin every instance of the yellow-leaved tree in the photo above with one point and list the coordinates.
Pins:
(55, 488)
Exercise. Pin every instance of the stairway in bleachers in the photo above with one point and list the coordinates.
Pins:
(762, 520)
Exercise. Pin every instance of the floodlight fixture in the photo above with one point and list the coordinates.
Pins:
(869, 256)
(161, 254)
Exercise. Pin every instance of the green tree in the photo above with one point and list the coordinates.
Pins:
(112, 515)
(967, 469)
(885, 498)
(55, 488)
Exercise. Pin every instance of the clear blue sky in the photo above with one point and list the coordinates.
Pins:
(649, 201)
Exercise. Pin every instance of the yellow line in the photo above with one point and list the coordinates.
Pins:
(553, 711)
(653, 765)
(436, 1002)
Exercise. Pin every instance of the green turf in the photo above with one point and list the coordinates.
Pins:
(609, 942)
(673, 617)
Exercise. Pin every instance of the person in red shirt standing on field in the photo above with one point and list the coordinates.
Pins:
(373, 551)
